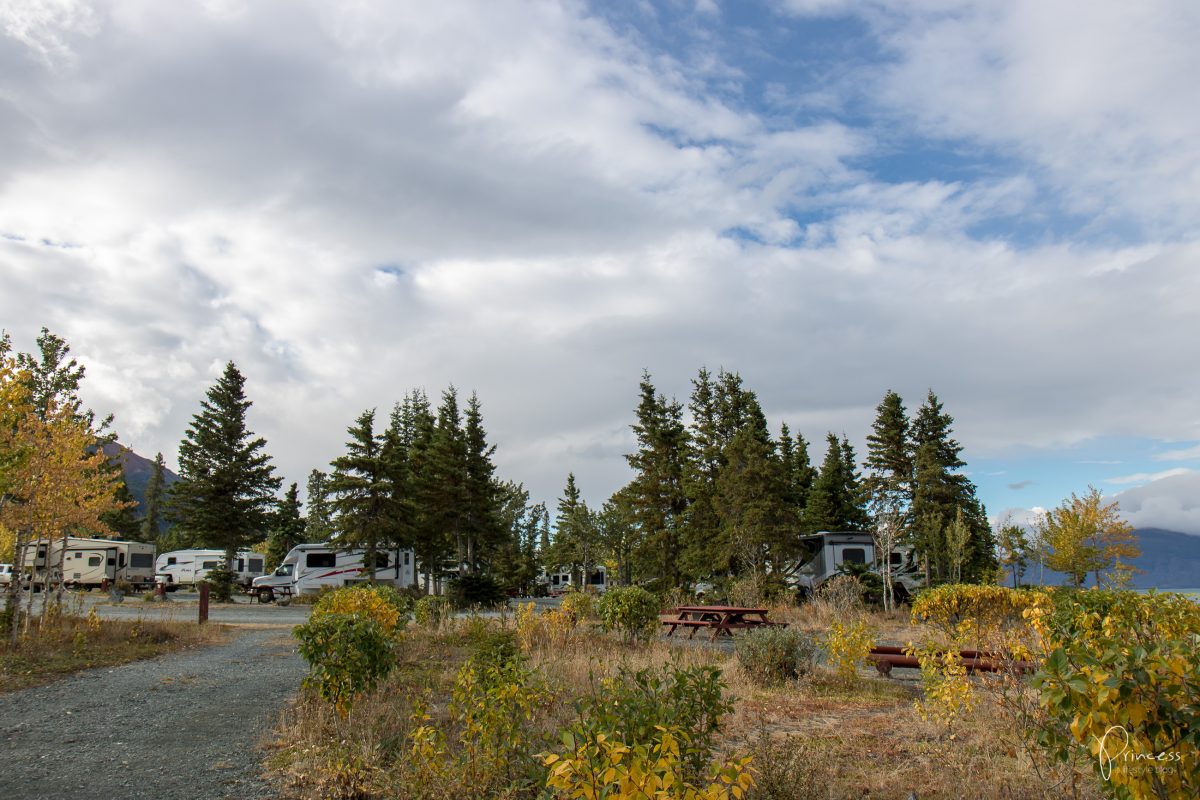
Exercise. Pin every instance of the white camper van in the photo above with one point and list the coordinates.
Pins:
(308, 567)
(189, 567)
(825, 552)
(88, 563)
(561, 581)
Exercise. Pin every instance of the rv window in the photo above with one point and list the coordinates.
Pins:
(320, 560)
(597, 578)
(171, 561)
(285, 569)
(896, 559)
(93, 561)
(406, 558)
(112, 562)
(241, 565)
(79, 555)
(141, 560)
(210, 565)
(256, 565)
(121, 559)
(381, 561)
(855, 555)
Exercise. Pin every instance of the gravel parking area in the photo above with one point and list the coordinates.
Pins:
(187, 725)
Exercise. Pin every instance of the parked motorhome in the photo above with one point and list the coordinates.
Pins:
(89, 563)
(308, 567)
(186, 568)
(826, 552)
(562, 580)
(6, 572)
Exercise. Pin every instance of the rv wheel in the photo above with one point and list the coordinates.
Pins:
(265, 595)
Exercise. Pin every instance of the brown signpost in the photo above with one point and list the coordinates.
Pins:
(203, 603)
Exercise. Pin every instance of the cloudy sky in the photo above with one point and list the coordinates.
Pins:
(538, 200)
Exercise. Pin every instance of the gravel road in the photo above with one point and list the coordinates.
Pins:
(187, 725)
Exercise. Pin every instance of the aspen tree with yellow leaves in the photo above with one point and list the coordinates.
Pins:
(54, 480)
(1085, 535)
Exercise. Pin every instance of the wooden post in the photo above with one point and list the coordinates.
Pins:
(203, 603)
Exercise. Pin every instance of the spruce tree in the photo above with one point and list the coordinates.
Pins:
(447, 503)
(757, 524)
(940, 494)
(798, 473)
(890, 454)
(287, 530)
(361, 488)
(483, 531)
(836, 501)
(226, 488)
(318, 523)
(700, 545)
(656, 491)
(417, 430)
(155, 495)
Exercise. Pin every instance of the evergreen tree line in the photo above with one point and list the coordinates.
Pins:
(711, 495)
(719, 495)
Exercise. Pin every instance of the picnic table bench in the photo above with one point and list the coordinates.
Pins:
(719, 619)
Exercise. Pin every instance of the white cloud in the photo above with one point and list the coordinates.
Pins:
(350, 201)
(1184, 454)
(1148, 477)
(1171, 503)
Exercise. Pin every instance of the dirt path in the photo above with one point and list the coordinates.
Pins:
(186, 726)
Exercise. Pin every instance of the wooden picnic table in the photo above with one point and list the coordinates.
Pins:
(720, 619)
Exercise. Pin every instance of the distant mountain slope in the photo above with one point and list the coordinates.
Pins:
(1169, 560)
(137, 472)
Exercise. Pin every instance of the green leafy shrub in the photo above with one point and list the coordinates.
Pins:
(468, 591)
(347, 655)
(631, 610)
(381, 603)
(638, 706)
(220, 584)
(1120, 689)
(431, 610)
(773, 654)
(486, 747)
(577, 605)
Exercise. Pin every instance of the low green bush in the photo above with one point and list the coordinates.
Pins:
(431, 610)
(469, 591)
(630, 610)
(636, 707)
(577, 605)
(347, 655)
(772, 654)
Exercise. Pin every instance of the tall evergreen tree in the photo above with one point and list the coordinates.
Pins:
(757, 523)
(361, 487)
(798, 473)
(940, 493)
(155, 495)
(418, 428)
(483, 530)
(836, 501)
(575, 544)
(318, 523)
(656, 492)
(890, 454)
(226, 488)
(700, 545)
(288, 528)
(447, 505)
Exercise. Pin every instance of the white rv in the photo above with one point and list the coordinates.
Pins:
(308, 567)
(825, 552)
(561, 580)
(189, 567)
(89, 563)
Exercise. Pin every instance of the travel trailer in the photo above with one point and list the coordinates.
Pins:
(89, 563)
(308, 567)
(189, 567)
(561, 581)
(827, 551)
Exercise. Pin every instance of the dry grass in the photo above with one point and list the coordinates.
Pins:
(811, 738)
(68, 644)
